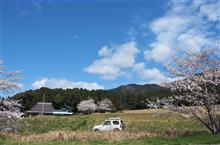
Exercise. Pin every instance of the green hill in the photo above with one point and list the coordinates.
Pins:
(130, 96)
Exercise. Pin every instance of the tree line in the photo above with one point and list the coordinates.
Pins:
(72, 97)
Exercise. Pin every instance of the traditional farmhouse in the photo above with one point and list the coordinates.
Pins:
(41, 108)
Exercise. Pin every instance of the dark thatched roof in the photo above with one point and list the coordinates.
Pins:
(42, 107)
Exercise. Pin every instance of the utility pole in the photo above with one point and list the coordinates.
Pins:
(42, 112)
(89, 95)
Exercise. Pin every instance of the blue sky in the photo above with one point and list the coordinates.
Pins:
(101, 44)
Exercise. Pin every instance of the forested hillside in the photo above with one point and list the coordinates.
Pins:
(125, 97)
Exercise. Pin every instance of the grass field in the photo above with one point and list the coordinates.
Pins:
(142, 127)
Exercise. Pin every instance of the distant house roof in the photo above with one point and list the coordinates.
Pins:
(42, 107)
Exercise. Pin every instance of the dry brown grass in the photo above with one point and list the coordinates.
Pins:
(186, 114)
(156, 111)
(172, 132)
(147, 111)
(80, 136)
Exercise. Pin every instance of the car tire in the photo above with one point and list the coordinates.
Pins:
(116, 130)
(96, 130)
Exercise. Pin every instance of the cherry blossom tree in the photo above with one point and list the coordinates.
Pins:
(8, 80)
(199, 85)
(87, 106)
(105, 105)
(9, 119)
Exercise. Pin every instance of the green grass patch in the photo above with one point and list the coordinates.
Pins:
(133, 122)
(172, 128)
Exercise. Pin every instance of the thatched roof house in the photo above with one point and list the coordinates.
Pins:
(42, 108)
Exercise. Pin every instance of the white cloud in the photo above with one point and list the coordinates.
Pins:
(121, 61)
(114, 61)
(153, 75)
(64, 84)
(185, 27)
(105, 51)
(211, 11)
(21, 86)
(159, 53)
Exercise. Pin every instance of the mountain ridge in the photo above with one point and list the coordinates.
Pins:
(138, 89)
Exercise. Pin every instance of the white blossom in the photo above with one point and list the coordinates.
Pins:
(87, 106)
(10, 121)
(105, 105)
(9, 116)
(8, 80)
(201, 73)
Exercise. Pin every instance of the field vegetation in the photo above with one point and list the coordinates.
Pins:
(142, 127)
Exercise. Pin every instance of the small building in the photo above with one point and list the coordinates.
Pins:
(41, 108)
(64, 110)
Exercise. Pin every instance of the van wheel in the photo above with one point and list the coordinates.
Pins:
(116, 130)
(96, 130)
